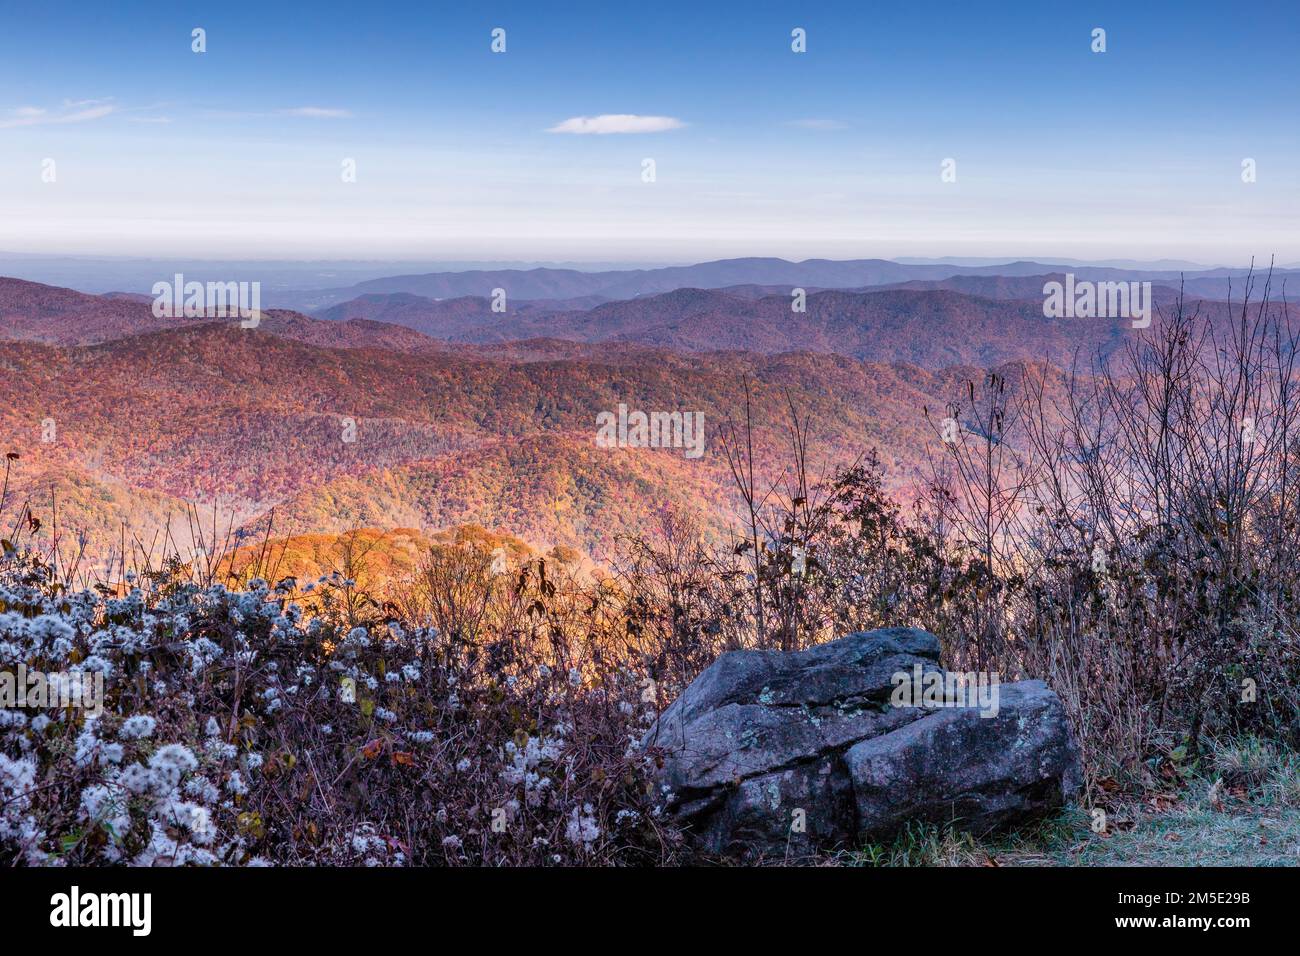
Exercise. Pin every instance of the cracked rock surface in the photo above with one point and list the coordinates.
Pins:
(769, 754)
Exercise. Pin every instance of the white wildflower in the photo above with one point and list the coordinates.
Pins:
(137, 727)
(582, 828)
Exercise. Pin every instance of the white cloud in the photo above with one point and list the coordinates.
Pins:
(616, 123)
(819, 124)
(72, 112)
(317, 112)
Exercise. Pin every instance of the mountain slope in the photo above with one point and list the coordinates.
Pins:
(933, 328)
(31, 312)
(255, 420)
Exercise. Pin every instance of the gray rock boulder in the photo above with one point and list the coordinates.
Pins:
(779, 755)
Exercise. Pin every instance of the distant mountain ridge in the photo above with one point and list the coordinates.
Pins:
(960, 320)
(553, 284)
(926, 323)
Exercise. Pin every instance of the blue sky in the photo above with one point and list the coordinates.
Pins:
(834, 152)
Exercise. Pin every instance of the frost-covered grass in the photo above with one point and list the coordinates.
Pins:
(237, 731)
(1239, 805)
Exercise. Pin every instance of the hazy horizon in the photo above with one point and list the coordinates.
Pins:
(595, 265)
